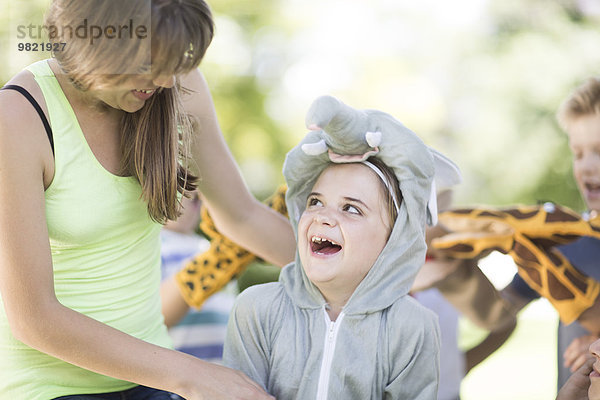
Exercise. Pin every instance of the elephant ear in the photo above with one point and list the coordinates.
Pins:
(447, 175)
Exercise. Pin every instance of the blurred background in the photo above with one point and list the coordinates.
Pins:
(480, 80)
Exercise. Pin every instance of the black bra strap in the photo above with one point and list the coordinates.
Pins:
(37, 107)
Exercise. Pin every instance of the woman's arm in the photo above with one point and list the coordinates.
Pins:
(35, 315)
(492, 342)
(237, 214)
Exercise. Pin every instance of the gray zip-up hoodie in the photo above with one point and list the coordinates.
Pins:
(383, 345)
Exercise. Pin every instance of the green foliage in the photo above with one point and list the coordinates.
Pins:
(479, 80)
(512, 150)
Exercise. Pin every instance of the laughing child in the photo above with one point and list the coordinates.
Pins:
(340, 323)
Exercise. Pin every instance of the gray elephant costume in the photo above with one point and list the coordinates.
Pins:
(383, 345)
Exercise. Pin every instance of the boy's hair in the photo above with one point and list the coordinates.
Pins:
(584, 100)
(390, 176)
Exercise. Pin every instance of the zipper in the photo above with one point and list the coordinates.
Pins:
(328, 349)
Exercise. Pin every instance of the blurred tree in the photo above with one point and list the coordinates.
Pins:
(534, 54)
(478, 79)
(232, 69)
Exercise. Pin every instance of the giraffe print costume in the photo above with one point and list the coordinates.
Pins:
(529, 235)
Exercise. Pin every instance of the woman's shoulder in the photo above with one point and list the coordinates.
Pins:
(14, 102)
(23, 78)
(15, 108)
(22, 132)
(16, 112)
(26, 79)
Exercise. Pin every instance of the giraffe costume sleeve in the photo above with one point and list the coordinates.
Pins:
(209, 272)
(529, 235)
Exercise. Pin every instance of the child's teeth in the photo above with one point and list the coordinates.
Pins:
(319, 240)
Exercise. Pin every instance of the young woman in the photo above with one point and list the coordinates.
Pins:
(130, 124)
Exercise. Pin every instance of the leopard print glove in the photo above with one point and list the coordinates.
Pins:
(209, 272)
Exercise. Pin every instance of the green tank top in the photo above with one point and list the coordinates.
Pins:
(105, 254)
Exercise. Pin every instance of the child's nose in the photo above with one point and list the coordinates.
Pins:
(324, 217)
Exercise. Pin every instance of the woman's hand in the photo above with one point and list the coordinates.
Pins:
(223, 383)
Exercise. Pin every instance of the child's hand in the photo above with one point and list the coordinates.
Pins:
(576, 387)
(578, 352)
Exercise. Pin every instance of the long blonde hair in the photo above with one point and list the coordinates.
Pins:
(130, 37)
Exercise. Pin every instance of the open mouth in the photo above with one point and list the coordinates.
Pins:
(143, 94)
(592, 191)
(319, 245)
(592, 187)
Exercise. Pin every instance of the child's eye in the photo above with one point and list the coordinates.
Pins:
(352, 209)
(313, 201)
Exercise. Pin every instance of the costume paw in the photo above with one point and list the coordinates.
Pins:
(210, 271)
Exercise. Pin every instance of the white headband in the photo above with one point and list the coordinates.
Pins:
(386, 182)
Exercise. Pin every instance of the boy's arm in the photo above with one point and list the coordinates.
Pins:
(492, 342)
(469, 290)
